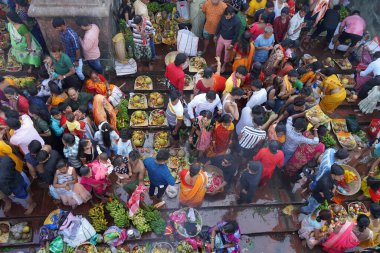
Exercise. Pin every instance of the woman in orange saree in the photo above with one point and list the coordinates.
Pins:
(103, 111)
(193, 186)
(98, 84)
(221, 136)
(243, 52)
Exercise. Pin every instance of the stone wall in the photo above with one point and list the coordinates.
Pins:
(370, 11)
(100, 12)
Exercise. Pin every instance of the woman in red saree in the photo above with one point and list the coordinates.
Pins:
(221, 136)
(303, 154)
(90, 183)
(193, 186)
(348, 236)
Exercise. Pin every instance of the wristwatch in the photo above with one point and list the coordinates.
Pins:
(64, 76)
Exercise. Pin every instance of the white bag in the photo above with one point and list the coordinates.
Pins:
(183, 9)
(171, 191)
(187, 42)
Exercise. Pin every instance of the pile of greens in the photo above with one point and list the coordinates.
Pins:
(154, 7)
(328, 140)
(156, 222)
(122, 117)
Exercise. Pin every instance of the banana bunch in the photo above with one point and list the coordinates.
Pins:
(98, 219)
(140, 222)
(118, 213)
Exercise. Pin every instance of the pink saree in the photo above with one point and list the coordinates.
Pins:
(345, 239)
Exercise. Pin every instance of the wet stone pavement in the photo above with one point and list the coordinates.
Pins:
(264, 226)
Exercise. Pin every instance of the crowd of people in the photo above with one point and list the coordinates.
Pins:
(62, 131)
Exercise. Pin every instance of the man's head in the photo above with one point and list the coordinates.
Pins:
(68, 139)
(254, 167)
(174, 97)
(258, 120)
(241, 72)
(303, 11)
(293, 75)
(125, 134)
(64, 107)
(11, 92)
(258, 110)
(274, 146)
(264, 18)
(237, 92)
(59, 24)
(341, 154)
(73, 94)
(180, 59)
(43, 156)
(337, 172)
(134, 155)
(215, 2)
(229, 12)
(32, 90)
(316, 66)
(299, 103)
(208, 73)
(376, 55)
(227, 160)
(268, 32)
(210, 96)
(56, 51)
(56, 113)
(162, 156)
(137, 20)
(355, 12)
(300, 124)
(306, 91)
(269, 7)
(13, 123)
(256, 85)
(285, 12)
(195, 168)
(34, 147)
(83, 23)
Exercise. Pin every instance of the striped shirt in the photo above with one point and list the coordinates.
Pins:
(138, 38)
(251, 137)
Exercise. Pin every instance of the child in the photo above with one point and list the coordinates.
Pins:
(107, 138)
(55, 124)
(124, 146)
(82, 115)
(249, 182)
(121, 169)
(57, 95)
(66, 186)
(48, 62)
(200, 135)
(44, 89)
(101, 167)
(90, 183)
(75, 127)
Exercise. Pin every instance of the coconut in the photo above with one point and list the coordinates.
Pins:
(160, 101)
(345, 81)
(137, 142)
(181, 153)
(138, 114)
(160, 120)
(136, 98)
(328, 59)
(162, 142)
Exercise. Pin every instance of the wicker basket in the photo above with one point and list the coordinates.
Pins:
(77, 250)
(180, 229)
(353, 214)
(354, 186)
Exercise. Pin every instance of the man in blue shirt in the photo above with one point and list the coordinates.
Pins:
(70, 41)
(269, 10)
(159, 174)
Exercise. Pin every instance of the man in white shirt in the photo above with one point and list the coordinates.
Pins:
(174, 115)
(246, 119)
(259, 95)
(373, 67)
(206, 101)
(24, 133)
(296, 24)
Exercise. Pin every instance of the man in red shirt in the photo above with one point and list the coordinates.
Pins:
(174, 73)
(270, 157)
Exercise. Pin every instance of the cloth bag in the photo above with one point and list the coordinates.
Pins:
(183, 9)
(187, 42)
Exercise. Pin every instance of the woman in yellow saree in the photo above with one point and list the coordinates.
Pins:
(193, 186)
(103, 111)
(333, 91)
(243, 52)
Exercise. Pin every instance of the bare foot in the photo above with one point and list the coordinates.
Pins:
(31, 208)
(7, 206)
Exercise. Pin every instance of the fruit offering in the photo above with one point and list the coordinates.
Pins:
(162, 248)
(339, 125)
(161, 140)
(338, 215)
(118, 213)
(156, 100)
(98, 219)
(139, 118)
(356, 208)
(348, 81)
(138, 138)
(189, 84)
(139, 249)
(184, 247)
(143, 83)
(13, 65)
(2, 62)
(86, 248)
(344, 64)
(157, 118)
(346, 140)
(316, 116)
(138, 101)
(214, 181)
(21, 232)
(197, 64)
